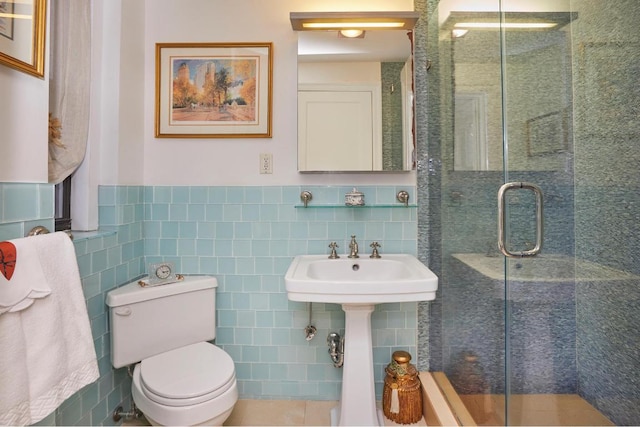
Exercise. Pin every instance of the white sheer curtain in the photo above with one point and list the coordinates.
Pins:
(69, 74)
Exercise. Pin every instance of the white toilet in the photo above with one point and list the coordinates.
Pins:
(181, 378)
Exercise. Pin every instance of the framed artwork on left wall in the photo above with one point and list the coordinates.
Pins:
(213, 90)
(22, 35)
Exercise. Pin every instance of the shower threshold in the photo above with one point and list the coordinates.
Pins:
(524, 409)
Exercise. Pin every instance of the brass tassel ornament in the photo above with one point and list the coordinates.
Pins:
(402, 394)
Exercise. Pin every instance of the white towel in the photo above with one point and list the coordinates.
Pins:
(22, 279)
(46, 351)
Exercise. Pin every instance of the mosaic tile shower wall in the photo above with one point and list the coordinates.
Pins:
(607, 194)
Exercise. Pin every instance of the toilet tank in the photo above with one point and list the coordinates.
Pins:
(145, 321)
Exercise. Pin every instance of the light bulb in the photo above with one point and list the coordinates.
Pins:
(351, 33)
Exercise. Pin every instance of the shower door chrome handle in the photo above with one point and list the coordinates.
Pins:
(502, 219)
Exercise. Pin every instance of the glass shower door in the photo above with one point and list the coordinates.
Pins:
(540, 325)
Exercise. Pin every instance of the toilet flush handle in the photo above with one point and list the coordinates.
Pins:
(123, 311)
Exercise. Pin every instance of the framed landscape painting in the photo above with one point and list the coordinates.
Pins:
(213, 90)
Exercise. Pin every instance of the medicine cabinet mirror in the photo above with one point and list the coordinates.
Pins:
(355, 102)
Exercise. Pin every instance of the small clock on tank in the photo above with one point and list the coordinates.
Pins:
(162, 273)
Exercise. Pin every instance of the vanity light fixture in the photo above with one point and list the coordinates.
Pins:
(351, 34)
(336, 21)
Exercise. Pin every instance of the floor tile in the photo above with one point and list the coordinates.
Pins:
(268, 413)
(318, 413)
(542, 410)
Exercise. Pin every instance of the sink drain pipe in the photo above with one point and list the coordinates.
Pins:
(336, 349)
(310, 330)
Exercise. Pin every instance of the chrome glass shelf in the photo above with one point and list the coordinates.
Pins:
(401, 206)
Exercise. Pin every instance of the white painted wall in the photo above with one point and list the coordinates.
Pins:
(235, 161)
(24, 124)
(122, 146)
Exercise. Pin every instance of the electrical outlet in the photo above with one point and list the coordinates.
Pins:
(266, 163)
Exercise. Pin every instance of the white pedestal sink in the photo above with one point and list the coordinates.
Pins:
(359, 284)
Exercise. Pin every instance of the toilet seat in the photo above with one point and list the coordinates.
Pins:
(188, 375)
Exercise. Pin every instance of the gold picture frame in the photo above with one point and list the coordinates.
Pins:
(22, 35)
(213, 90)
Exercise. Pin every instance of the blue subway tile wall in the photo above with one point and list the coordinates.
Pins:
(24, 206)
(106, 259)
(246, 237)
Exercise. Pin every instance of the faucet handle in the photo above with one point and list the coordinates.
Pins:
(334, 254)
(374, 253)
(353, 247)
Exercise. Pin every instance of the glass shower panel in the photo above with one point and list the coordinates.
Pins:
(468, 101)
(572, 109)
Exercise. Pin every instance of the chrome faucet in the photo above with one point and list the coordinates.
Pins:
(353, 247)
(334, 254)
(375, 254)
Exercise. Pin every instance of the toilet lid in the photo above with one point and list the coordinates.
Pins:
(187, 372)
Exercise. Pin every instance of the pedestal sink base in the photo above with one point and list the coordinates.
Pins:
(358, 399)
